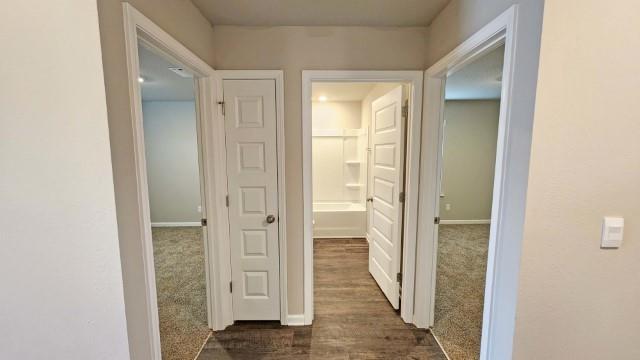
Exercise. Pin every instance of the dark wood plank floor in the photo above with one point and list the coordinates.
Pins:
(353, 319)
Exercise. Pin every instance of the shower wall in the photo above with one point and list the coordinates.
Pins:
(339, 157)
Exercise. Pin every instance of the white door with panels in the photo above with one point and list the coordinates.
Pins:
(252, 171)
(387, 152)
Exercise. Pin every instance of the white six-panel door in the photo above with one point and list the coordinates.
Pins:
(250, 121)
(387, 183)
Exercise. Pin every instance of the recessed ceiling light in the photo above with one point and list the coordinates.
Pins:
(322, 98)
(140, 79)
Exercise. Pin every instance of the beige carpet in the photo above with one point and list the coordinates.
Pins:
(460, 278)
(180, 281)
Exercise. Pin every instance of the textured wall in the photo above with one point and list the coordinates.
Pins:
(61, 295)
(576, 300)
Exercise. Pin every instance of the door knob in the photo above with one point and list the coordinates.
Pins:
(270, 219)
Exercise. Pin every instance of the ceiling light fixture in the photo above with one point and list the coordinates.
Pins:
(323, 98)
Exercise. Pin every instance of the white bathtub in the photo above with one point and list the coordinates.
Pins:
(339, 220)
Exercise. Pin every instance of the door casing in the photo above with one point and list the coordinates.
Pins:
(277, 76)
(501, 289)
(410, 221)
(139, 28)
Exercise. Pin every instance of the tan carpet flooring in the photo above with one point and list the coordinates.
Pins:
(460, 279)
(180, 281)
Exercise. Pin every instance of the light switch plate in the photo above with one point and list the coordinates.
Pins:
(612, 231)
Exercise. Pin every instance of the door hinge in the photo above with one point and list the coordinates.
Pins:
(230, 286)
(405, 111)
(401, 197)
(227, 200)
(399, 277)
(436, 220)
(203, 222)
(221, 103)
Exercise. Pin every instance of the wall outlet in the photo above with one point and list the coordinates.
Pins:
(199, 208)
(447, 207)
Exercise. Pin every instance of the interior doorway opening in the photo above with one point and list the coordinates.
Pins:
(361, 148)
(358, 147)
(175, 188)
(467, 170)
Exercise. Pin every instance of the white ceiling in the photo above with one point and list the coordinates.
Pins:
(321, 12)
(341, 91)
(479, 80)
(160, 83)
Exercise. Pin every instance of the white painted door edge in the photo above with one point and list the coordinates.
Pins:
(138, 28)
(498, 325)
(410, 222)
(278, 76)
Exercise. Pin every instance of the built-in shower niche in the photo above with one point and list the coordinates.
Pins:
(339, 182)
(339, 161)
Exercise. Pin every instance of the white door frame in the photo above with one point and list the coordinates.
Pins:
(504, 253)
(278, 77)
(410, 221)
(138, 28)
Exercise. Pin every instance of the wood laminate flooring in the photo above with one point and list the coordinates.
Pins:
(353, 319)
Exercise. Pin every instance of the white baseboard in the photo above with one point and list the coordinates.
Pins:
(464, 222)
(175, 224)
(340, 237)
(295, 320)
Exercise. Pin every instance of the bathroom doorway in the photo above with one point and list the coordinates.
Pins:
(358, 140)
(358, 137)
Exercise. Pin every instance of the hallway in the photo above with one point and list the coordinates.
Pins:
(353, 319)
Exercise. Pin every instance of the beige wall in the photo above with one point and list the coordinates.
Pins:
(293, 49)
(459, 20)
(576, 300)
(173, 173)
(184, 22)
(469, 160)
(61, 294)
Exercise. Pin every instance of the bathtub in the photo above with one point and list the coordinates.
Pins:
(339, 220)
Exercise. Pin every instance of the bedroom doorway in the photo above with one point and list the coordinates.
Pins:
(467, 170)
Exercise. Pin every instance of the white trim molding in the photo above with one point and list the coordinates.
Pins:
(138, 29)
(412, 174)
(176, 224)
(498, 323)
(465, 222)
(295, 320)
(278, 77)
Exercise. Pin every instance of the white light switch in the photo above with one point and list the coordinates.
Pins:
(612, 230)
